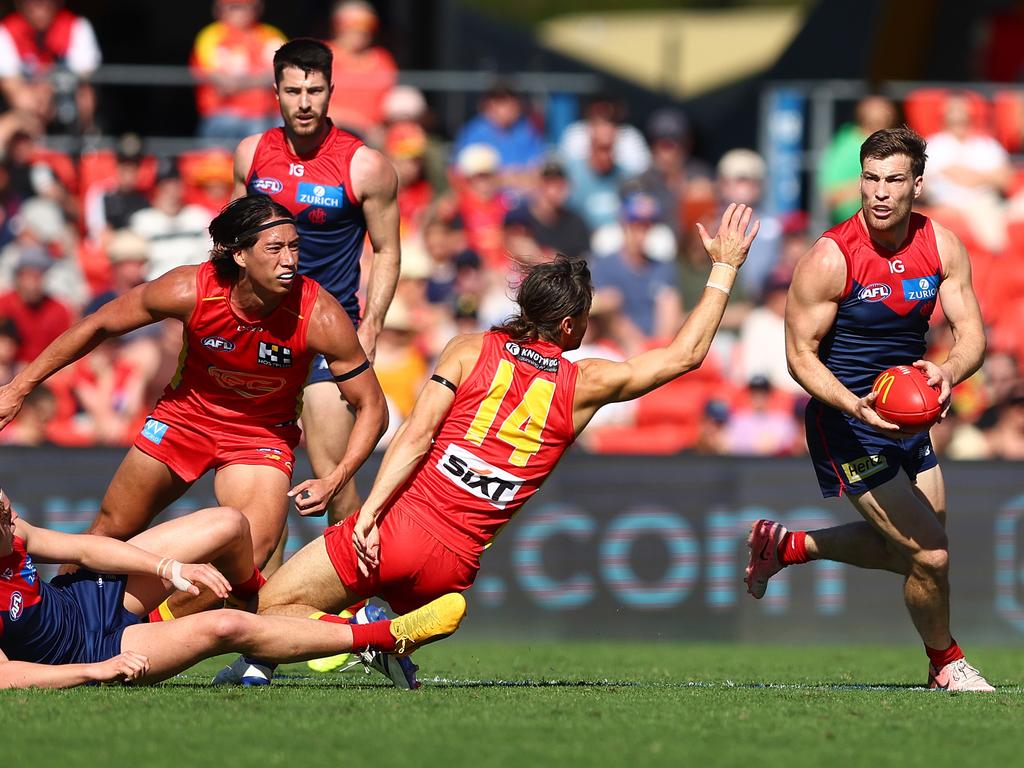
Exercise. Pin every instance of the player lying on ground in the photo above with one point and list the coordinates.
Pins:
(860, 303)
(86, 627)
(252, 329)
(485, 432)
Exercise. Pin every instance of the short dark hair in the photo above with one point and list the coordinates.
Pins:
(549, 293)
(306, 54)
(235, 228)
(896, 141)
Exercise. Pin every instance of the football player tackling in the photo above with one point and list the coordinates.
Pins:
(485, 432)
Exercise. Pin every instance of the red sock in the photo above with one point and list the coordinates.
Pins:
(939, 659)
(154, 616)
(793, 548)
(376, 635)
(250, 586)
(333, 618)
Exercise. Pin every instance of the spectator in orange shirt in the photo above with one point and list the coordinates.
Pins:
(363, 73)
(233, 60)
(405, 146)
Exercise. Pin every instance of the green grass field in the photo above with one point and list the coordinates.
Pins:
(491, 704)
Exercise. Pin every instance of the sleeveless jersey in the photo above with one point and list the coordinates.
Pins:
(508, 427)
(318, 192)
(37, 621)
(889, 297)
(237, 370)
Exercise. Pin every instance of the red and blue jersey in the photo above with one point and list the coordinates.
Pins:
(36, 620)
(317, 189)
(889, 298)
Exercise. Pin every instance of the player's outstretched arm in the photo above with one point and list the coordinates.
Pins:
(412, 440)
(960, 306)
(601, 381)
(819, 282)
(123, 668)
(375, 182)
(105, 555)
(332, 335)
(172, 295)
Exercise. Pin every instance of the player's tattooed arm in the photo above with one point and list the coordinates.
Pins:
(172, 295)
(375, 183)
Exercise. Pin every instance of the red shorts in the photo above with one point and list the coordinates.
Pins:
(189, 447)
(414, 568)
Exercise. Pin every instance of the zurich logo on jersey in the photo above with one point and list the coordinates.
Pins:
(320, 194)
(268, 185)
(875, 292)
(920, 288)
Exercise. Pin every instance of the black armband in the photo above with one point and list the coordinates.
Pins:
(443, 382)
(363, 366)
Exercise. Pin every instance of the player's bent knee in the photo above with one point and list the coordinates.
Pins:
(228, 627)
(934, 562)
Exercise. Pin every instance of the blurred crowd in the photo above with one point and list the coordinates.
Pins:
(476, 207)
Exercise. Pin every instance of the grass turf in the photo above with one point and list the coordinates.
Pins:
(493, 704)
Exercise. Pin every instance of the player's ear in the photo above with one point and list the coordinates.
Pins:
(239, 257)
(918, 186)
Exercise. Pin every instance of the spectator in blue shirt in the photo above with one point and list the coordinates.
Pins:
(645, 288)
(502, 124)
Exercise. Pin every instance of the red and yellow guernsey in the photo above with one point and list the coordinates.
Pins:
(507, 429)
(237, 370)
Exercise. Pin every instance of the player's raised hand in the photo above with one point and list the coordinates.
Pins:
(206, 575)
(126, 667)
(313, 496)
(732, 241)
(10, 404)
(366, 540)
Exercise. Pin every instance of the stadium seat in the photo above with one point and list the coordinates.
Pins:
(1008, 119)
(925, 110)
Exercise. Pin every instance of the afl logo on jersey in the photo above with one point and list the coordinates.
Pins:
(16, 605)
(218, 343)
(875, 292)
(268, 185)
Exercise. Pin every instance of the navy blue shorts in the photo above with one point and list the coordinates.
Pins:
(100, 602)
(850, 457)
(319, 371)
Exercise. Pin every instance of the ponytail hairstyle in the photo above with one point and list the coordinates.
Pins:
(238, 227)
(548, 294)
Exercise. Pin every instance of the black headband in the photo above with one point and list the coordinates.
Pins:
(253, 230)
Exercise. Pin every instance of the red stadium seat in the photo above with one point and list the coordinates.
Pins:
(1008, 119)
(925, 110)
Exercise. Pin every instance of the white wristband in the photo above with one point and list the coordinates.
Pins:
(727, 266)
(723, 288)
